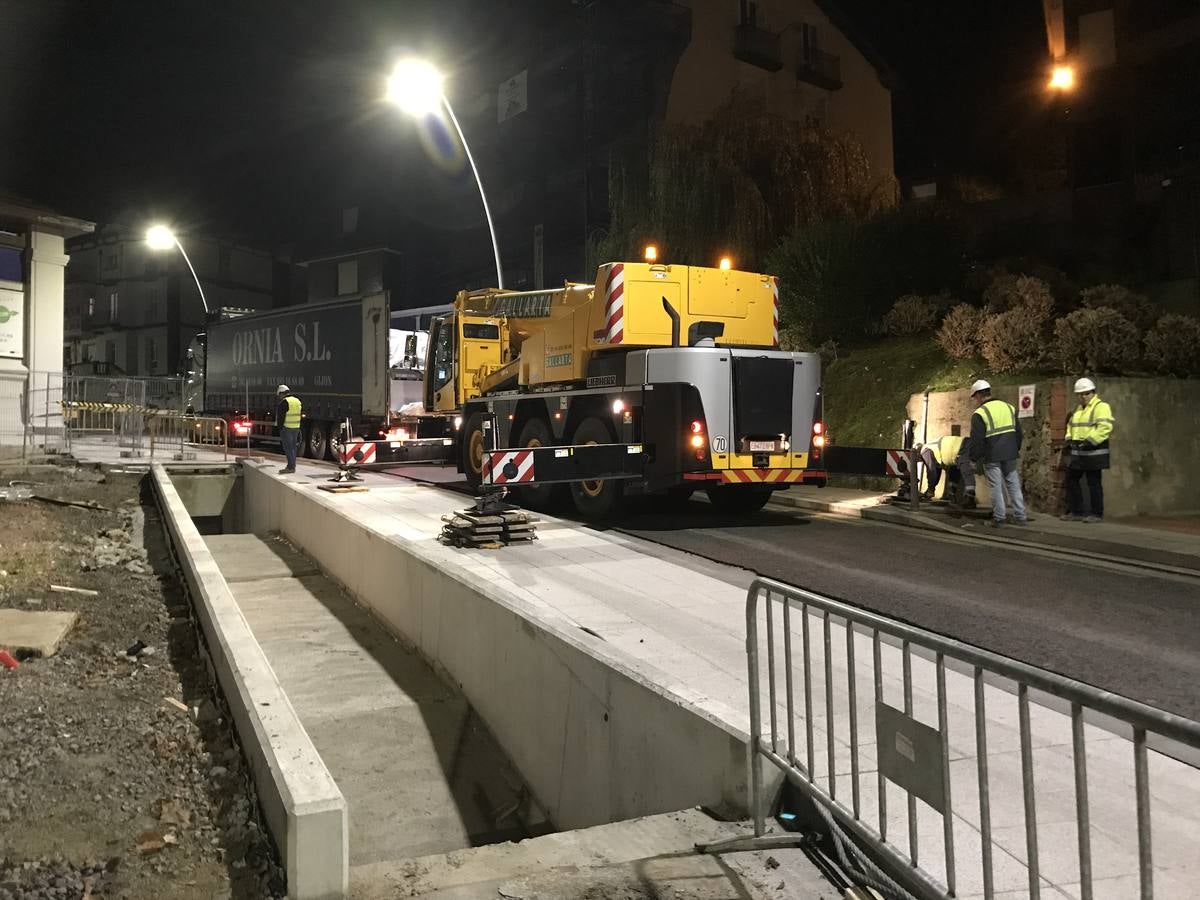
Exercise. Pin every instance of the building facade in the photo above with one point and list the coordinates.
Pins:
(133, 310)
(32, 266)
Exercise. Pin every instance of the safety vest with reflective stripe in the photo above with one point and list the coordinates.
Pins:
(946, 450)
(291, 419)
(998, 418)
(1088, 430)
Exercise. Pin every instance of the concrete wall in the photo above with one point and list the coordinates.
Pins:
(212, 494)
(1155, 446)
(595, 741)
(301, 803)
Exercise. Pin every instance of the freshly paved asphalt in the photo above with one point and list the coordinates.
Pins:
(1134, 632)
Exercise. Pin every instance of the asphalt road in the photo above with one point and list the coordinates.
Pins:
(1134, 632)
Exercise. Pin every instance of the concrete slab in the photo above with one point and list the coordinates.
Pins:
(647, 857)
(304, 811)
(419, 771)
(244, 557)
(25, 633)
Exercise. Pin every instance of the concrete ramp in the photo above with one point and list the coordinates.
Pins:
(420, 773)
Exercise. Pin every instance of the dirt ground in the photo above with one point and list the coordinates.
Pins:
(107, 788)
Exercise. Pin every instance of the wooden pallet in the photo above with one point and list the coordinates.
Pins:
(488, 530)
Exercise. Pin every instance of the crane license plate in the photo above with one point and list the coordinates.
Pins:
(762, 446)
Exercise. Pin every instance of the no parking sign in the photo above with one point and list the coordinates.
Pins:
(1025, 401)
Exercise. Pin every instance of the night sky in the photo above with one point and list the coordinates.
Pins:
(243, 118)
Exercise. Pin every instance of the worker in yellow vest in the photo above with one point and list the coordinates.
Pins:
(996, 442)
(287, 417)
(1088, 431)
(949, 455)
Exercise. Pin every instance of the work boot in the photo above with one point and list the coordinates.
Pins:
(1071, 517)
(1092, 519)
(286, 471)
(994, 523)
(968, 501)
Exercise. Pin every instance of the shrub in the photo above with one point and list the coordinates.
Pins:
(1134, 307)
(1015, 340)
(1096, 340)
(1010, 291)
(959, 334)
(1173, 346)
(911, 314)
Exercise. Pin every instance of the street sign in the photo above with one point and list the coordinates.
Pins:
(1025, 401)
(513, 97)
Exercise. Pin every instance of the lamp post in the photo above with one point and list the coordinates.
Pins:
(416, 87)
(160, 237)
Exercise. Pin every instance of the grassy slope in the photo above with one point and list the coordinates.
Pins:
(867, 388)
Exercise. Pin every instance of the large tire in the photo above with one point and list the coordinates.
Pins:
(471, 450)
(316, 440)
(738, 501)
(596, 499)
(334, 444)
(545, 497)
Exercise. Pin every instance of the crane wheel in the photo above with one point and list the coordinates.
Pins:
(596, 499)
(545, 497)
(738, 500)
(473, 443)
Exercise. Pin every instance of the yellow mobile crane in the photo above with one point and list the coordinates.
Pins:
(656, 379)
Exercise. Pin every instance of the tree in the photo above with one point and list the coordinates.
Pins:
(734, 186)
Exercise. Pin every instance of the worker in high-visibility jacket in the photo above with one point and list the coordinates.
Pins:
(287, 417)
(1087, 453)
(996, 442)
(950, 455)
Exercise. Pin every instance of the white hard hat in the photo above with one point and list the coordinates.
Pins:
(282, 389)
(980, 385)
(1084, 384)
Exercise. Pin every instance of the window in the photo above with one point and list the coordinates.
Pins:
(748, 13)
(151, 355)
(809, 43)
(91, 307)
(110, 352)
(112, 306)
(475, 331)
(443, 355)
(112, 259)
(86, 353)
(347, 277)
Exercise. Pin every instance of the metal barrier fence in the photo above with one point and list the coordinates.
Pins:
(30, 414)
(915, 757)
(176, 433)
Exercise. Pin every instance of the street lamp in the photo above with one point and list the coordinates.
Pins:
(160, 237)
(1062, 78)
(416, 87)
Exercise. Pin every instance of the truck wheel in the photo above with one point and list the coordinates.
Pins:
(536, 433)
(596, 499)
(473, 442)
(335, 443)
(315, 440)
(738, 501)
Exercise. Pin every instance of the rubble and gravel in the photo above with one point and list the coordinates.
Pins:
(107, 789)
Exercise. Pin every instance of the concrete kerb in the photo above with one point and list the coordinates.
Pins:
(301, 803)
(874, 509)
(598, 736)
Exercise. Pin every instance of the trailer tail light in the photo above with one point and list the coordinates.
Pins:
(697, 440)
(818, 441)
(241, 427)
(397, 436)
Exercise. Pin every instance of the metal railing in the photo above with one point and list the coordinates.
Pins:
(915, 756)
(175, 433)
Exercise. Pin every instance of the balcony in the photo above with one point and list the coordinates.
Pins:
(824, 70)
(758, 47)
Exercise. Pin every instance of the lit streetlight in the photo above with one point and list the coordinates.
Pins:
(160, 237)
(1062, 78)
(416, 87)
